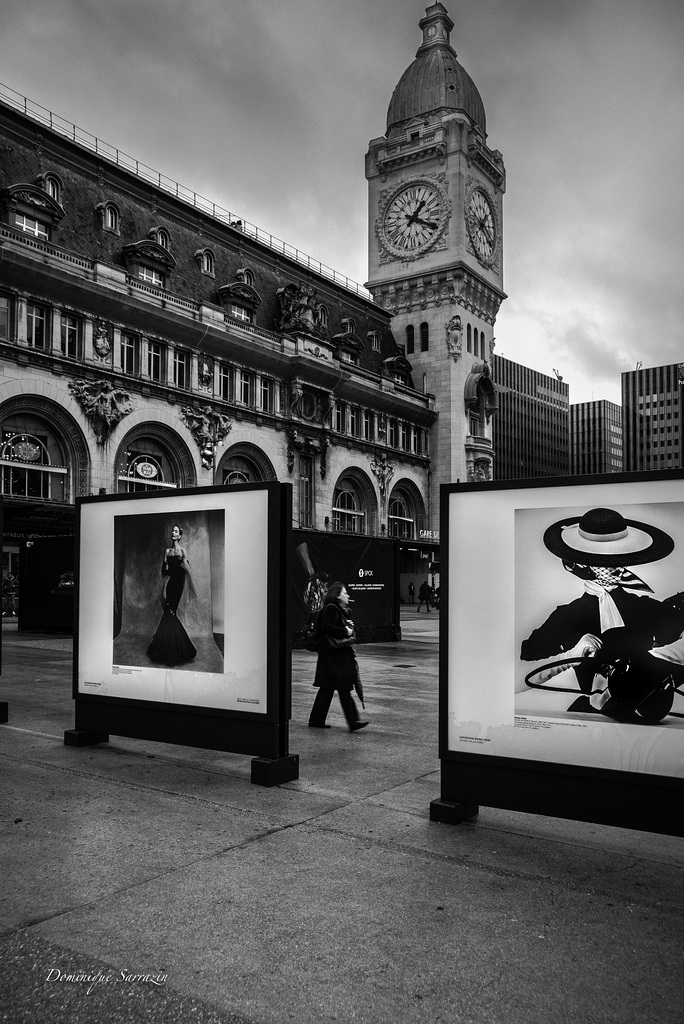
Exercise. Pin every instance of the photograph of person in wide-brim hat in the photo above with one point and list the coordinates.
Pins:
(622, 647)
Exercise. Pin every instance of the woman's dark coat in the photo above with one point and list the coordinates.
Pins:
(336, 667)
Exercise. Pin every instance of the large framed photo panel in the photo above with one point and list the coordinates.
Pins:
(562, 649)
(182, 627)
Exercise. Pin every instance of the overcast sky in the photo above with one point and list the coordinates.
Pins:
(266, 107)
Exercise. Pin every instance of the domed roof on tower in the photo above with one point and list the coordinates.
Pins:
(435, 82)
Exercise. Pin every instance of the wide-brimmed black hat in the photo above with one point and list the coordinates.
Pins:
(603, 538)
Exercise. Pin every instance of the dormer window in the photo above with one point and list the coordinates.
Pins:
(206, 261)
(240, 300)
(52, 184)
(246, 276)
(161, 237)
(348, 345)
(31, 225)
(374, 340)
(323, 316)
(149, 262)
(30, 209)
(110, 217)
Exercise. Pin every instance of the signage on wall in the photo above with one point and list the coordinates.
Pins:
(147, 470)
(429, 534)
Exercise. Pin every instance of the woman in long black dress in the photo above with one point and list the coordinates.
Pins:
(171, 645)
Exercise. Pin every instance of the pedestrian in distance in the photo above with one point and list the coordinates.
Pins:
(424, 596)
(336, 667)
(412, 591)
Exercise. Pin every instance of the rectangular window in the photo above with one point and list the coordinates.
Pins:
(32, 226)
(181, 369)
(353, 421)
(266, 394)
(36, 325)
(129, 354)
(368, 425)
(306, 491)
(151, 276)
(70, 336)
(155, 361)
(240, 313)
(340, 417)
(404, 433)
(246, 384)
(225, 381)
(4, 318)
(392, 433)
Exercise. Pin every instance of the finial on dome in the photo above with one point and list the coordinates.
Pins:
(436, 26)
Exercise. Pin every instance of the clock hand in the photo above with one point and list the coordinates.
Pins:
(427, 223)
(411, 218)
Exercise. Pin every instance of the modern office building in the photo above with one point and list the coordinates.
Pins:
(532, 426)
(595, 437)
(652, 407)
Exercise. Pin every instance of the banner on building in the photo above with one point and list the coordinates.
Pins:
(367, 567)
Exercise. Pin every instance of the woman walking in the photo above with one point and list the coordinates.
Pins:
(336, 668)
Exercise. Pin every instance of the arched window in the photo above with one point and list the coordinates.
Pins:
(410, 339)
(32, 460)
(469, 338)
(349, 325)
(146, 466)
(208, 262)
(244, 463)
(110, 217)
(246, 276)
(163, 238)
(348, 516)
(400, 517)
(322, 315)
(239, 470)
(53, 187)
(424, 336)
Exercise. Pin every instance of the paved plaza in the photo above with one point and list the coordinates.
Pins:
(148, 882)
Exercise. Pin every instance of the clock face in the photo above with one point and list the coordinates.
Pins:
(482, 228)
(413, 220)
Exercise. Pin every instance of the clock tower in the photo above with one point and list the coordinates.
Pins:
(435, 247)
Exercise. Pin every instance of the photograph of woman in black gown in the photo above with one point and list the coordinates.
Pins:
(171, 645)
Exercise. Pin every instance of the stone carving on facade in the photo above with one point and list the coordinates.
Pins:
(305, 445)
(479, 471)
(454, 338)
(317, 352)
(209, 428)
(102, 340)
(205, 374)
(299, 310)
(296, 398)
(384, 471)
(382, 427)
(103, 404)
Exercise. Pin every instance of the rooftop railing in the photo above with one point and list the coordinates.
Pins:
(82, 138)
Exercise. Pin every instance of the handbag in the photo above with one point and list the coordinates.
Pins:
(347, 641)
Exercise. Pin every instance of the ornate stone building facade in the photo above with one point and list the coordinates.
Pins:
(435, 246)
(150, 340)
